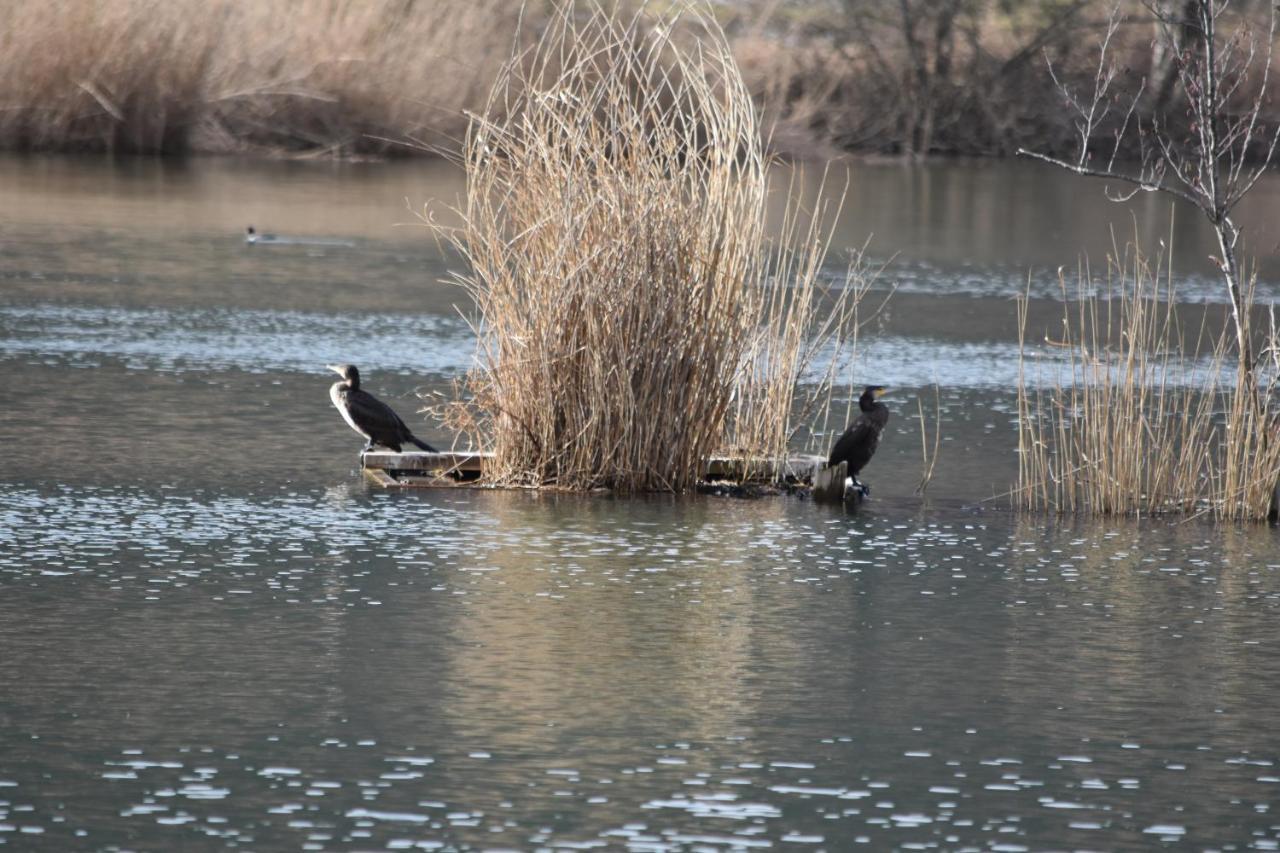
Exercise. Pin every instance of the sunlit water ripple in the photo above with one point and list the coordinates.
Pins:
(998, 281)
(177, 340)
(215, 635)
(533, 662)
(914, 362)
(257, 341)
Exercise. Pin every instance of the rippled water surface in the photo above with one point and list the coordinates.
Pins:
(215, 635)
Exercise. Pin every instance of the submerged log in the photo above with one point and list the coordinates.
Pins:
(831, 485)
(828, 483)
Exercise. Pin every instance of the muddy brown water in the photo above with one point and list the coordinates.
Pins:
(214, 634)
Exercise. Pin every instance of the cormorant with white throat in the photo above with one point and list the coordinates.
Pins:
(368, 415)
(858, 443)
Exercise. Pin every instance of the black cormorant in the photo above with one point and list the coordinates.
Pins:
(368, 415)
(859, 442)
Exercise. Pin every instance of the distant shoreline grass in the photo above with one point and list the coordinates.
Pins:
(377, 78)
(346, 78)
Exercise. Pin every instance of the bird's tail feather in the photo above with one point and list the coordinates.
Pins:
(422, 445)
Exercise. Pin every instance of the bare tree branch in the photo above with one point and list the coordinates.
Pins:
(1214, 166)
(1140, 184)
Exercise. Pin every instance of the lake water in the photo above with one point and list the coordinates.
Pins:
(214, 634)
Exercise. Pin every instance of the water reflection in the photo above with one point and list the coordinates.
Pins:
(978, 221)
(457, 669)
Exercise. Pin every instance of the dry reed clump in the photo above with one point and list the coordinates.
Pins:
(632, 316)
(330, 76)
(1140, 424)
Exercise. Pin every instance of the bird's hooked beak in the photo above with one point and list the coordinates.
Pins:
(337, 368)
(880, 392)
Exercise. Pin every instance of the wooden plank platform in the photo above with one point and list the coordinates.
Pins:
(444, 470)
(420, 469)
(418, 460)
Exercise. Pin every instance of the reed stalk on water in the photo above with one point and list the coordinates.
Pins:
(929, 456)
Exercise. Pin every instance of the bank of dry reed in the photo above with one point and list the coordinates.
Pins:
(342, 77)
(632, 316)
(1148, 417)
(338, 77)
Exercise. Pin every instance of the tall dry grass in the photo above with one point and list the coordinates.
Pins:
(806, 332)
(632, 316)
(322, 76)
(1148, 416)
(341, 77)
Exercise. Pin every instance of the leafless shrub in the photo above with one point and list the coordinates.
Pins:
(1213, 160)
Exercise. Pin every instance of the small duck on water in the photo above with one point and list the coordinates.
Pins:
(252, 237)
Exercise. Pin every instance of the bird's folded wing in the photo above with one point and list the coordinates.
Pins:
(372, 413)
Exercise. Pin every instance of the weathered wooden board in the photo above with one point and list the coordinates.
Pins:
(799, 468)
(419, 468)
(387, 460)
(416, 479)
(382, 478)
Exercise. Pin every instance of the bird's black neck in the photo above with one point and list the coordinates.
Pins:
(867, 403)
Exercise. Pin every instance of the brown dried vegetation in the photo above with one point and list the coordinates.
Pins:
(336, 78)
(1148, 417)
(632, 316)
